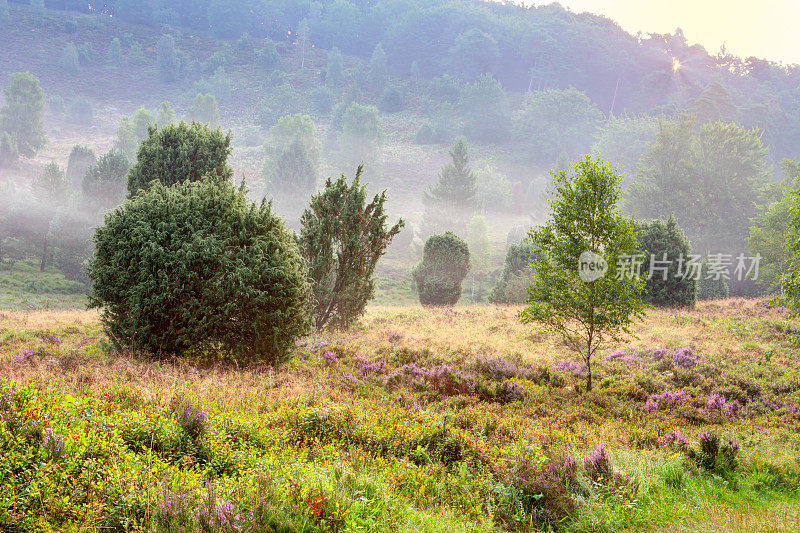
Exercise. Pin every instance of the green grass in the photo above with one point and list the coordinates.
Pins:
(388, 451)
(24, 287)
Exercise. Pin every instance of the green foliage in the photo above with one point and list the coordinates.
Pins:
(555, 121)
(434, 133)
(9, 154)
(80, 112)
(136, 54)
(104, 184)
(50, 190)
(281, 101)
(169, 60)
(711, 286)
(361, 127)
(69, 60)
(80, 159)
(772, 233)
(220, 59)
(478, 242)
(668, 284)
(378, 70)
(196, 267)
(444, 265)
(218, 84)
(492, 189)
(165, 115)
(516, 267)
(268, 56)
(22, 116)
(342, 239)
(710, 178)
(86, 54)
(624, 140)
(177, 153)
(71, 236)
(485, 107)
(446, 88)
(322, 100)
(392, 100)
(585, 218)
(474, 53)
(293, 156)
(451, 202)
(205, 109)
(115, 56)
(334, 70)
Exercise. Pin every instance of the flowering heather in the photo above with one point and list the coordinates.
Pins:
(511, 392)
(53, 444)
(717, 405)
(599, 469)
(570, 367)
(49, 338)
(665, 398)
(496, 368)
(215, 516)
(23, 357)
(330, 358)
(685, 358)
(368, 368)
(625, 356)
(412, 370)
(678, 440)
(192, 420)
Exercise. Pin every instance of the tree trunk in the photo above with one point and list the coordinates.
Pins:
(589, 366)
(44, 255)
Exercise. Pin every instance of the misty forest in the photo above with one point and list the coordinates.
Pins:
(392, 265)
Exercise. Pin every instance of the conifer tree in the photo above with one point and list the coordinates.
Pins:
(451, 203)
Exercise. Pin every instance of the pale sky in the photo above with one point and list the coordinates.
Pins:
(768, 29)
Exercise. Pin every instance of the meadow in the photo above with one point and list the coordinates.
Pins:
(416, 419)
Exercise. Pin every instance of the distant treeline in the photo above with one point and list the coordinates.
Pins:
(525, 48)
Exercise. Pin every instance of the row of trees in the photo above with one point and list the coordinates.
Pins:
(188, 264)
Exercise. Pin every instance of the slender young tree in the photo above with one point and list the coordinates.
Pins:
(50, 190)
(342, 239)
(582, 290)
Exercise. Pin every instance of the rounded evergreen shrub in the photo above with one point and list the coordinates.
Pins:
(710, 286)
(181, 152)
(445, 263)
(392, 100)
(666, 244)
(196, 267)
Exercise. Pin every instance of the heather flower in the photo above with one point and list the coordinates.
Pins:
(330, 358)
(599, 469)
(655, 401)
(511, 392)
(192, 420)
(23, 357)
(673, 438)
(685, 358)
(53, 444)
(412, 370)
(571, 367)
(717, 405)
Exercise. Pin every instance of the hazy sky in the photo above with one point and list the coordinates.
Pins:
(767, 29)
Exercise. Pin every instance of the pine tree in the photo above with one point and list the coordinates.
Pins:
(378, 69)
(51, 190)
(452, 201)
(343, 237)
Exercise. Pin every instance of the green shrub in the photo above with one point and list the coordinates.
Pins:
(282, 100)
(205, 109)
(196, 267)
(115, 52)
(445, 263)
(80, 159)
(392, 100)
(169, 59)
(86, 54)
(322, 100)
(268, 56)
(433, 133)
(666, 286)
(511, 287)
(710, 286)
(221, 58)
(22, 116)
(80, 112)
(342, 239)
(104, 182)
(70, 61)
(181, 152)
(8, 150)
